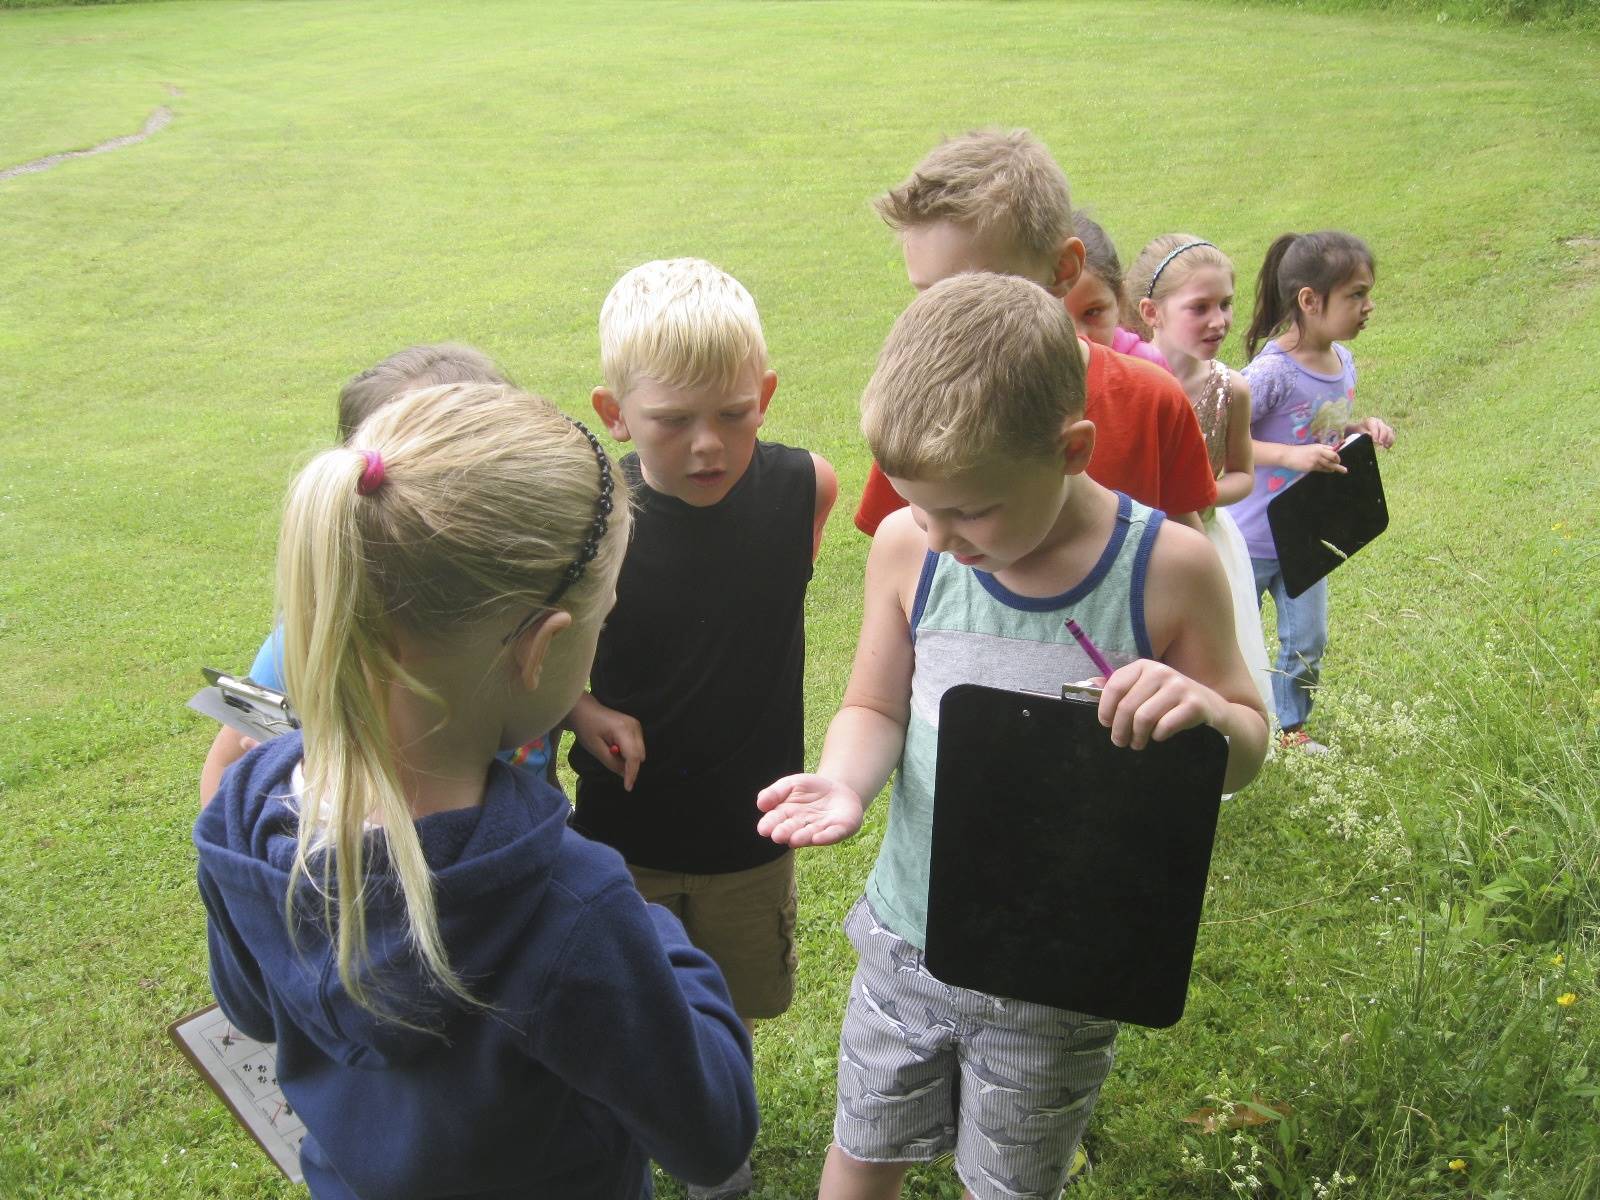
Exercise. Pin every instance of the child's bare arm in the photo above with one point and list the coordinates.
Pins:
(1312, 456)
(1200, 678)
(827, 493)
(866, 735)
(1191, 519)
(1238, 464)
(227, 748)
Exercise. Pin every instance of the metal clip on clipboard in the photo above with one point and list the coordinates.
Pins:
(244, 705)
(1084, 693)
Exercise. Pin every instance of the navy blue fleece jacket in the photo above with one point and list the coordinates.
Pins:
(609, 1040)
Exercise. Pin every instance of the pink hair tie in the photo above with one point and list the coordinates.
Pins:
(372, 476)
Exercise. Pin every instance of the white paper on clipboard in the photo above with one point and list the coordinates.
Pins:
(244, 1072)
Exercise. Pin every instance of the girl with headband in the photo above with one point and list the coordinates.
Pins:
(468, 999)
(1184, 290)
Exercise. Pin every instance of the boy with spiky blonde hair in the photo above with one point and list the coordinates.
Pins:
(995, 200)
(701, 660)
(975, 413)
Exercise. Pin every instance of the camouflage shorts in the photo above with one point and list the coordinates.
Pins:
(925, 1068)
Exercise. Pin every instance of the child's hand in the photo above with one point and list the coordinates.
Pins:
(1148, 701)
(1379, 431)
(1314, 457)
(615, 739)
(808, 810)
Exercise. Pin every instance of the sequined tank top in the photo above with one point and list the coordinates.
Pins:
(1211, 410)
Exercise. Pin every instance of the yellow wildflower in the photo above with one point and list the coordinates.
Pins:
(1558, 960)
(1567, 999)
(1458, 1164)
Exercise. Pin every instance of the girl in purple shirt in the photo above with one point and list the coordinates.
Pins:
(1314, 292)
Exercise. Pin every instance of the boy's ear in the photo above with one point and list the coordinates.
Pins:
(1309, 301)
(1068, 266)
(530, 648)
(609, 410)
(1077, 444)
(769, 385)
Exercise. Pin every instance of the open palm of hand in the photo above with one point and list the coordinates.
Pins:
(808, 810)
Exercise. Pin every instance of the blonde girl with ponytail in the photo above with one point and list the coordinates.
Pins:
(467, 997)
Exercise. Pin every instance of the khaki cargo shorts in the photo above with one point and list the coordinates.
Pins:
(744, 920)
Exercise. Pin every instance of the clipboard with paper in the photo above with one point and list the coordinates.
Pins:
(244, 1074)
(1066, 870)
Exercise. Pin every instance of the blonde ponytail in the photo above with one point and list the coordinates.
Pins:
(486, 497)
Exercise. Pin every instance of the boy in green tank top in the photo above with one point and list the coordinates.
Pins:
(975, 413)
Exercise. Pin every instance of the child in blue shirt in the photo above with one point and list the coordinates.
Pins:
(404, 370)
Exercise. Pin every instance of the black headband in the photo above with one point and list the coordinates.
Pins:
(1149, 292)
(597, 530)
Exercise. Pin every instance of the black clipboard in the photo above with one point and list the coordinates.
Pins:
(1066, 870)
(1324, 517)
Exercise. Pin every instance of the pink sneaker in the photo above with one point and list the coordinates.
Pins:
(1299, 739)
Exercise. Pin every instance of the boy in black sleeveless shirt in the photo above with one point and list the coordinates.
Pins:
(696, 698)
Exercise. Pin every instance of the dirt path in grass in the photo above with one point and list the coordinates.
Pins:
(154, 123)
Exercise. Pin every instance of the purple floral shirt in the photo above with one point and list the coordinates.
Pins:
(1293, 406)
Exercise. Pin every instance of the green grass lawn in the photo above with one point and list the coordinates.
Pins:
(1386, 936)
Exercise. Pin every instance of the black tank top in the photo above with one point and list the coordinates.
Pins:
(706, 648)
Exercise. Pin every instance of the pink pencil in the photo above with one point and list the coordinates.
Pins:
(1089, 648)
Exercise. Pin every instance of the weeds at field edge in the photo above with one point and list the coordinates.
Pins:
(1463, 1058)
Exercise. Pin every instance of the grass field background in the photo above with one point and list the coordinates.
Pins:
(1388, 934)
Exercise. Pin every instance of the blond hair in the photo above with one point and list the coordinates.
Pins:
(488, 496)
(1002, 182)
(1144, 282)
(409, 369)
(979, 365)
(680, 322)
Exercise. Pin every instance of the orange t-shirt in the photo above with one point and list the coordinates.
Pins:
(1147, 441)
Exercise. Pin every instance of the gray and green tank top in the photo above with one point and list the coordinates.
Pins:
(968, 627)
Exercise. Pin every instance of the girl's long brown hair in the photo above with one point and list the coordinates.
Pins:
(1319, 261)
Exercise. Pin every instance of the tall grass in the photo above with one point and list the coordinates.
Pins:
(1459, 1052)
